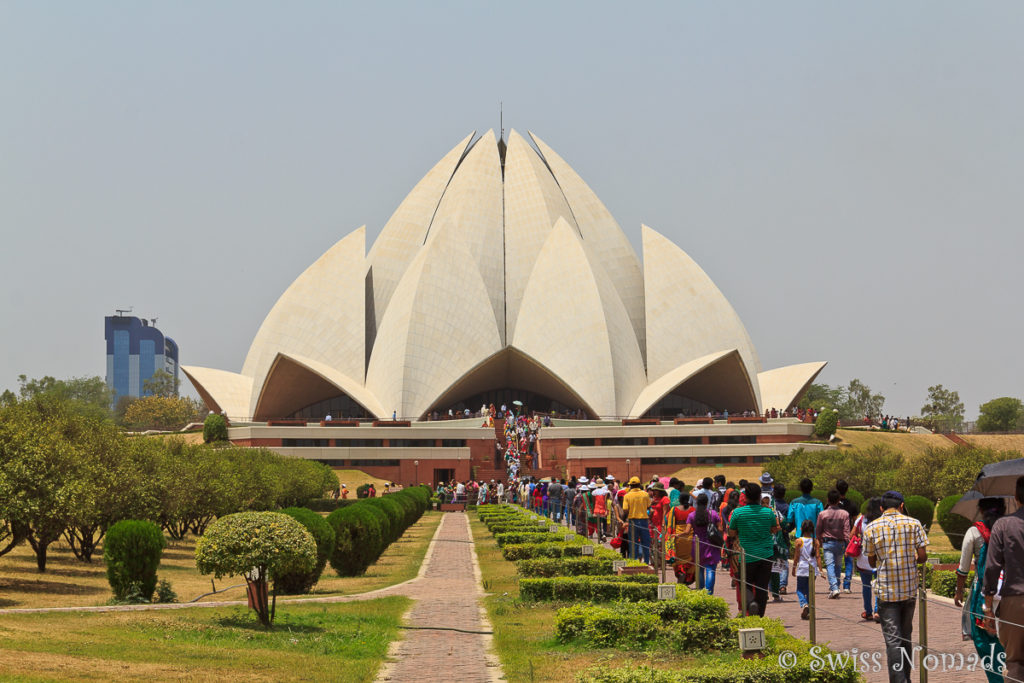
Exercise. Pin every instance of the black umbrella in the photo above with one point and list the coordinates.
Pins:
(996, 480)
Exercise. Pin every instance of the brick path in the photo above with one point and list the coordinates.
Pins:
(444, 642)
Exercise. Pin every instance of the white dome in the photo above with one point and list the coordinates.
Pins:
(501, 271)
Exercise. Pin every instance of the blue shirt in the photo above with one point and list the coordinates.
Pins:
(803, 508)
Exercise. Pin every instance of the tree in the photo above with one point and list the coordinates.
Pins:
(944, 408)
(215, 428)
(161, 383)
(1001, 415)
(860, 402)
(162, 413)
(89, 395)
(820, 396)
(258, 545)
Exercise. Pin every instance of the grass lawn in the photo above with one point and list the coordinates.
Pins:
(343, 642)
(524, 632)
(71, 582)
(910, 444)
(1000, 442)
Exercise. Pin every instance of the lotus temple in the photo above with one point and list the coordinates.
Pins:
(502, 279)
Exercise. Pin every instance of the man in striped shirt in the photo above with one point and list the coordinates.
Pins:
(895, 544)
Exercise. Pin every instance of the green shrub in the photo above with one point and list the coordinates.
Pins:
(358, 539)
(528, 551)
(328, 504)
(363, 491)
(826, 424)
(943, 582)
(383, 522)
(409, 506)
(323, 535)
(564, 566)
(132, 553)
(164, 592)
(921, 509)
(953, 525)
(215, 428)
(590, 588)
(520, 537)
(394, 513)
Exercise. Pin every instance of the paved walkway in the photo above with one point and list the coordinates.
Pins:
(449, 636)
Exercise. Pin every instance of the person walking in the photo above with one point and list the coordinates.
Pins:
(975, 547)
(636, 504)
(1005, 558)
(803, 507)
(851, 509)
(867, 574)
(895, 544)
(555, 499)
(706, 525)
(806, 559)
(833, 531)
(754, 526)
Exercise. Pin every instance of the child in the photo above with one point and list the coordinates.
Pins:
(806, 554)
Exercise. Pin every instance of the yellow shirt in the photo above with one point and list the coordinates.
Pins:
(635, 504)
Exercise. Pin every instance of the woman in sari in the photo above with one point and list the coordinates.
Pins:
(975, 547)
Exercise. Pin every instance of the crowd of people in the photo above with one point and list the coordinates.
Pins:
(715, 526)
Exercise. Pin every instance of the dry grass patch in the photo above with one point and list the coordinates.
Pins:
(690, 475)
(999, 442)
(69, 582)
(910, 444)
(352, 479)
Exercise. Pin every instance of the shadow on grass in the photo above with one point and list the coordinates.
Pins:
(40, 586)
(88, 571)
(249, 622)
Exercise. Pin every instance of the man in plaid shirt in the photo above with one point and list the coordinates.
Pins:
(895, 544)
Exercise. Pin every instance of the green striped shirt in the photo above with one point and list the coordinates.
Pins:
(753, 525)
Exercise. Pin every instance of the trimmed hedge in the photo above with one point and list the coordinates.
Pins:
(132, 551)
(323, 535)
(953, 525)
(519, 537)
(530, 551)
(590, 588)
(328, 504)
(564, 566)
(365, 529)
(921, 509)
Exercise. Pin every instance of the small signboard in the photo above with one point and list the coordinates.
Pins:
(667, 591)
(541, 522)
(569, 538)
(933, 561)
(554, 528)
(617, 565)
(587, 549)
(751, 639)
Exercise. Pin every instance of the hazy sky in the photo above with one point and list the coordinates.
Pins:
(849, 174)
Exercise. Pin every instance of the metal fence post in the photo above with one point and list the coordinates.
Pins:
(743, 582)
(664, 546)
(922, 601)
(699, 573)
(811, 574)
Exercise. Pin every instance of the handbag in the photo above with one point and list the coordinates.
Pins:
(853, 548)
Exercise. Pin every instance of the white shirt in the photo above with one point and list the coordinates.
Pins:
(970, 549)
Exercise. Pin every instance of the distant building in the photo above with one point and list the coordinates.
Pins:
(136, 350)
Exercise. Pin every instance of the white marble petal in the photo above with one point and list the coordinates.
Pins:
(404, 233)
(320, 316)
(782, 387)
(588, 343)
(604, 237)
(439, 326)
(533, 202)
(472, 204)
(222, 390)
(687, 316)
(723, 385)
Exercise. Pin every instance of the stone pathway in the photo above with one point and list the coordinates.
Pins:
(449, 634)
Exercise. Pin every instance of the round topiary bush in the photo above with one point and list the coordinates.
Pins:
(953, 525)
(384, 524)
(363, 491)
(921, 509)
(132, 552)
(358, 538)
(826, 424)
(323, 535)
(410, 508)
(258, 545)
(215, 428)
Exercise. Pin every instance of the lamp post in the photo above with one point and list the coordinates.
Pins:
(627, 471)
(416, 481)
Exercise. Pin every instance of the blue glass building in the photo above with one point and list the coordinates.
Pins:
(135, 350)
